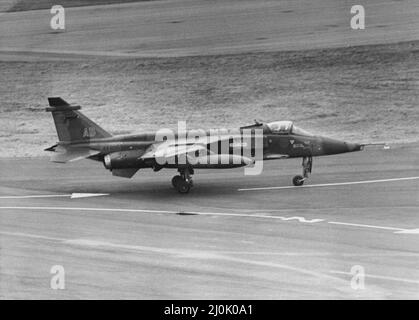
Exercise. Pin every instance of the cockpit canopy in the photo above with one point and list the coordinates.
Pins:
(286, 127)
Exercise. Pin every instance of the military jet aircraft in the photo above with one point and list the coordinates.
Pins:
(81, 138)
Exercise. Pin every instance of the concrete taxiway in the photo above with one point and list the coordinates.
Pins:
(233, 236)
(200, 27)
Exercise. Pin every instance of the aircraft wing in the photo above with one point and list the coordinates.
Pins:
(169, 149)
(276, 156)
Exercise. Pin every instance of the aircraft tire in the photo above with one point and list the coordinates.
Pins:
(176, 180)
(298, 180)
(183, 186)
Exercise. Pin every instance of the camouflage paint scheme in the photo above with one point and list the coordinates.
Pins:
(80, 138)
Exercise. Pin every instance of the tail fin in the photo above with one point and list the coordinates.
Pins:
(71, 124)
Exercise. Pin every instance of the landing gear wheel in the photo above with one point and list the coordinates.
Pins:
(298, 180)
(183, 186)
(183, 182)
(176, 180)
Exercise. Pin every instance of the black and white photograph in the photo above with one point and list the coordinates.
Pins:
(184, 150)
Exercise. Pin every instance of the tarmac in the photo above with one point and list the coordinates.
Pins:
(201, 27)
(351, 232)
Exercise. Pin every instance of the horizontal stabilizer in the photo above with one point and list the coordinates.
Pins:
(66, 108)
(52, 148)
(63, 155)
(57, 102)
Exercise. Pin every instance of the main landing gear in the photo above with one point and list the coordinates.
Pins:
(183, 182)
(307, 166)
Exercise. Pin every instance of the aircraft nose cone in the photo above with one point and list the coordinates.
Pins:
(332, 146)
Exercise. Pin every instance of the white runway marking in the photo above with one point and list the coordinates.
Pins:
(410, 231)
(31, 236)
(90, 209)
(299, 219)
(87, 195)
(36, 196)
(329, 184)
(360, 225)
(71, 196)
(367, 226)
(323, 254)
(372, 276)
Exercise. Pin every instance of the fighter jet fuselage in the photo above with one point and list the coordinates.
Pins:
(186, 150)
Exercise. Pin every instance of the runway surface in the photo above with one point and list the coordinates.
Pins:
(230, 240)
(190, 27)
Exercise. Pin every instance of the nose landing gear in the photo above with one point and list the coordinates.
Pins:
(307, 166)
(183, 182)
